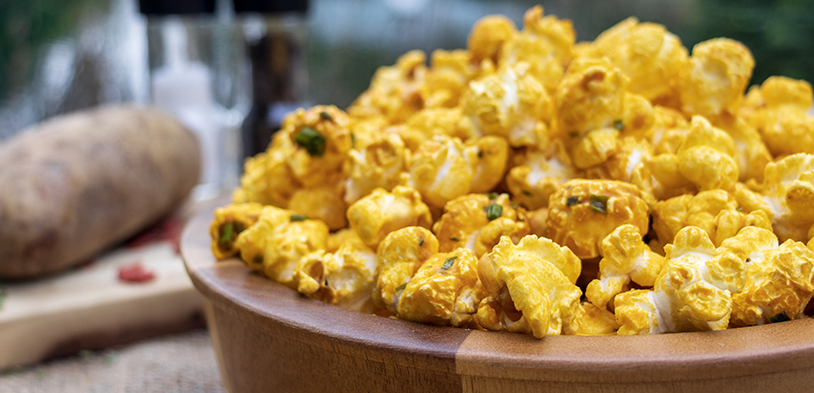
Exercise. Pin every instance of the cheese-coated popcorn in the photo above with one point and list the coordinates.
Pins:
(316, 144)
(715, 211)
(449, 73)
(789, 196)
(394, 91)
(377, 165)
(538, 174)
(546, 43)
(778, 277)
(229, 222)
(445, 290)
(473, 222)
(509, 103)
(646, 53)
(344, 278)
(583, 212)
(626, 258)
(715, 78)
(399, 256)
(592, 321)
(531, 287)
(382, 212)
(590, 96)
(686, 200)
(488, 157)
(267, 179)
(440, 171)
(488, 36)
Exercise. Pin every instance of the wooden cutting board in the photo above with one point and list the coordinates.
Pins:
(91, 307)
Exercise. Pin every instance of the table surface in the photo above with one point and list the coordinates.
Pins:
(178, 363)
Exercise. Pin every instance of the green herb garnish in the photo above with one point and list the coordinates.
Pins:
(258, 259)
(617, 124)
(312, 141)
(448, 263)
(782, 317)
(455, 239)
(420, 241)
(599, 203)
(571, 201)
(352, 140)
(527, 193)
(573, 134)
(740, 209)
(227, 233)
(298, 217)
(493, 211)
(480, 153)
(325, 116)
(401, 287)
(513, 205)
(492, 195)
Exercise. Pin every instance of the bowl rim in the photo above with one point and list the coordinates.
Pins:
(731, 353)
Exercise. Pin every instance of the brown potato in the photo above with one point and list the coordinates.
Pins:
(77, 184)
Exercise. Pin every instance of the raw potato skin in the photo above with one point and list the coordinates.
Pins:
(77, 184)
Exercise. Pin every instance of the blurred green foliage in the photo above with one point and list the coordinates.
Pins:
(27, 25)
(780, 33)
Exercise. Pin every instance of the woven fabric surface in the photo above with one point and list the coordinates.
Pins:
(178, 363)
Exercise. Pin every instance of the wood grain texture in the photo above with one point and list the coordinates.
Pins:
(269, 338)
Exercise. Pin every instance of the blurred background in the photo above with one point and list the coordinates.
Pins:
(57, 56)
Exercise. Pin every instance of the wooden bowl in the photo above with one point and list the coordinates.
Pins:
(269, 338)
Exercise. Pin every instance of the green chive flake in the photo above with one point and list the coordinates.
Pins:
(494, 211)
(782, 317)
(455, 239)
(325, 116)
(227, 233)
(740, 209)
(401, 287)
(619, 125)
(599, 203)
(513, 205)
(420, 241)
(572, 200)
(258, 259)
(352, 140)
(492, 195)
(527, 193)
(312, 141)
(480, 153)
(448, 263)
(298, 217)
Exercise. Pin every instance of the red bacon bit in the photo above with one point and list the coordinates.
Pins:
(135, 273)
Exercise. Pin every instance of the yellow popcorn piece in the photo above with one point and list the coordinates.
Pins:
(230, 221)
(509, 103)
(399, 256)
(382, 212)
(717, 212)
(322, 203)
(593, 321)
(477, 222)
(488, 36)
(668, 130)
(488, 157)
(546, 44)
(377, 165)
(267, 179)
(590, 96)
(778, 109)
(315, 143)
(636, 312)
(445, 290)
(626, 258)
(583, 212)
(440, 171)
(449, 74)
(394, 91)
(751, 154)
(788, 196)
(344, 278)
(531, 287)
(429, 122)
(715, 77)
(648, 55)
(538, 174)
